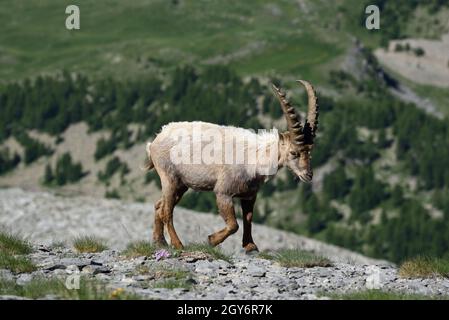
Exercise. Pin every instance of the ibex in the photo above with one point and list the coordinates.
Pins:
(228, 180)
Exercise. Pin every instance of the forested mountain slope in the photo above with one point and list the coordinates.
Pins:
(78, 107)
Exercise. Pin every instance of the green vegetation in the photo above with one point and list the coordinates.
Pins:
(33, 148)
(89, 244)
(104, 147)
(355, 182)
(296, 258)
(424, 267)
(112, 194)
(388, 159)
(114, 165)
(397, 14)
(147, 36)
(199, 201)
(40, 287)
(114, 105)
(8, 162)
(173, 284)
(152, 176)
(13, 244)
(65, 172)
(58, 244)
(12, 251)
(167, 276)
(171, 278)
(213, 252)
(419, 52)
(383, 295)
(139, 248)
(17, 264)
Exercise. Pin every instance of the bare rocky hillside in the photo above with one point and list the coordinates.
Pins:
(46, 218)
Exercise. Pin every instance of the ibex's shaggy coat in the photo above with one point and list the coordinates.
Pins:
(231, 162)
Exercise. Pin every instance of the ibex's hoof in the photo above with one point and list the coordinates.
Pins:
(212, 241)
(160, 243)
(251, 248)
(178, 246)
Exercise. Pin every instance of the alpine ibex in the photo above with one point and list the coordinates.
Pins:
(222, 173)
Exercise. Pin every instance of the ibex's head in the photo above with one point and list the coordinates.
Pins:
(297, 142)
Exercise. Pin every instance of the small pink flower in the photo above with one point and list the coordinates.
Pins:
(162, 254)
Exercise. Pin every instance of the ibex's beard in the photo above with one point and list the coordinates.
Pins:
(305, 176)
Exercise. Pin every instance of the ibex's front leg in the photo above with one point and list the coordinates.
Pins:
(226, 210)
(247, 212)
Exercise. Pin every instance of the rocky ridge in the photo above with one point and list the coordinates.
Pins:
(244, 277)
(46, 218)
(50, 223)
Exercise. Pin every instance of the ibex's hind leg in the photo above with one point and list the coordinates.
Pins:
(226, 210)
(172, 193)
(247, 212)
(158, 228)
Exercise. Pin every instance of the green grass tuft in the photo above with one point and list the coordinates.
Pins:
(58, 245)
(382, 295)
(166, 277)
(40, 287)
(139, 248)
(16, 264)
(89, 244)
(297, 258)
(172, 284)
(14, 244)
(214, 252)
(424, 267)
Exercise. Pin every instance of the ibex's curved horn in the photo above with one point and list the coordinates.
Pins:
(311, 124)
(293, 122)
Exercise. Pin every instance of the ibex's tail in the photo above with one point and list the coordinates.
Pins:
(148, 165)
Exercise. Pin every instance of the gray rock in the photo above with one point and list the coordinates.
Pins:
(50, 297)
(79, 262)
(205, 267)
(103, 276)
(142, 277)
(223, 264)
(246, 277)
(95, 269)
(24, 278)
(59, 272)
(322, 272)
(54, 266)
(127, 281)
(256, 271)
(10, 297)
(72, 269)
(6, 275)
